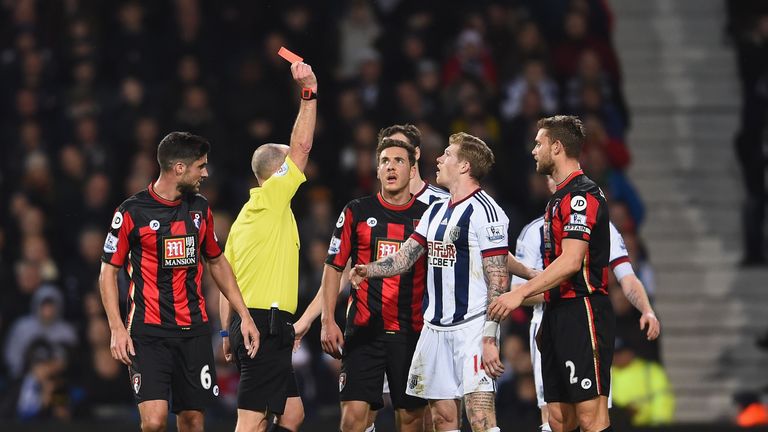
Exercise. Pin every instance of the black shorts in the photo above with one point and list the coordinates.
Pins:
(577, 338)
(180, 369)
(267, 380)
(367, 357)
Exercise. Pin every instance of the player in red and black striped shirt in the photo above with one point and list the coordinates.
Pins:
(165, 233)
(578, 326)
(384, 317)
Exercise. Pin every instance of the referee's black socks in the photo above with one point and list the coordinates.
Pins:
(608, 429)
(277, 428)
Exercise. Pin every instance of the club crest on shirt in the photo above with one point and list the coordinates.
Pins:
(454, 233)
(197, 217)
(179, 251)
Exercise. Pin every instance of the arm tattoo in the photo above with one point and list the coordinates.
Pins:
(496, 276)
(481, 410)
(398, 263)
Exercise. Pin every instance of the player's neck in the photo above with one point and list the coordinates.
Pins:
(416, 184)
(463, 188)
(396, 198)
(562, 171)
(166, 188)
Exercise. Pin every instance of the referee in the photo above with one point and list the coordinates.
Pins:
(263, 247)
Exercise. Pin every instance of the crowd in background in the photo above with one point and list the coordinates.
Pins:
(90, 87)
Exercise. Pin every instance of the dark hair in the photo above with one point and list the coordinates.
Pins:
(475, 151)
(568, 130)
(181, 147)
(410, 131)
(388, 142)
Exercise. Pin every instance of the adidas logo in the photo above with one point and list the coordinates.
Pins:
(484, 380)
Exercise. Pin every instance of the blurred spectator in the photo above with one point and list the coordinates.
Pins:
(44, 323)
(641, 387)
(532, 78)
(472, 59)
(614, 183)
(749, 29)
(358, 31)
(567, 53)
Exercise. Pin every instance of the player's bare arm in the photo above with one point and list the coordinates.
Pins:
(519, 269)
(391, 265)
(331, 337)
(497, 279)
(222, 274)
(481, 410)
(635, 292)
(304, 128)
(331, 277)
(562, 268)
(120, 344)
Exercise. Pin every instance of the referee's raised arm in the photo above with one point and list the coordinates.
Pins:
(304, 128)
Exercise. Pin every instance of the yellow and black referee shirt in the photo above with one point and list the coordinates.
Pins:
(263, 244)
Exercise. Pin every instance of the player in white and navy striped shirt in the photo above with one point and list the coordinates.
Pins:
(457, 355)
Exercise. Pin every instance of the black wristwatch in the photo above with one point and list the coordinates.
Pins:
(308, 94)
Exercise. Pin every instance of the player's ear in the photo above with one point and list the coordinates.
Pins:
(413, 172)
(179, 168)
(418, 153)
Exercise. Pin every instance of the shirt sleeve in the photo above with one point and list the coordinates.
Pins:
(210, 244)
(492, 235)
(528, 252)
(116, 247)
(280, 188)
(578, 213)
(619, 254)
(340, 248)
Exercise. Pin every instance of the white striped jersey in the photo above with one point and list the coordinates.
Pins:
(457, 236)
(530, 248)
(430, 193)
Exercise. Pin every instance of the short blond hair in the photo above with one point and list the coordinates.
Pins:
(475, 151)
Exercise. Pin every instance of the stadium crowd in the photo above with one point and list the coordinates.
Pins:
(90, 87)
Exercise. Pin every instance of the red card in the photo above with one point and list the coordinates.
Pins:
(289, 56)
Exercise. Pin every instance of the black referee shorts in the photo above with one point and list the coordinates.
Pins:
(267, 380)
(367, 357)
(577, 338)
(177, 368)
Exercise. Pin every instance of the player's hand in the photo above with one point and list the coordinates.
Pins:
(250, 336)
(358, 274)
(332, 339)
(654, 326)
(121, 346)
(300, 328)
(226, 348)
(503, 305)
(304, 76)
(491, 362)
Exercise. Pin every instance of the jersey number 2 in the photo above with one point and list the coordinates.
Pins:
(572, 367)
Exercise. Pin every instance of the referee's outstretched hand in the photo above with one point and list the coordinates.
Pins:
(121, 346)
(250, 336)
(304, 76)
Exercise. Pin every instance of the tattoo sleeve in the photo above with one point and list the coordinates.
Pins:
(496, 276)
(398, 263)
(481, 410)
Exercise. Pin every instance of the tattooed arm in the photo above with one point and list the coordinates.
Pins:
(391, 265)
(496, 276)
(497, 279)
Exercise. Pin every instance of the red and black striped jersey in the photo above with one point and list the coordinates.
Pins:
(578, 210)
(163, 242)
(370, 228)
